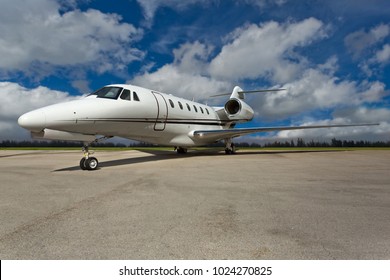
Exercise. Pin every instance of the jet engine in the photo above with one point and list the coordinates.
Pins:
(238, 110)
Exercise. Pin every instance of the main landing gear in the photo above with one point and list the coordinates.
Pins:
(230, 148)
(88, 162)
(181, 150)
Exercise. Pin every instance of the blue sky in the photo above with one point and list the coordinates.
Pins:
(333, 57)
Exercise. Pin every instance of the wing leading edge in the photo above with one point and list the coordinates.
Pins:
(231, 133)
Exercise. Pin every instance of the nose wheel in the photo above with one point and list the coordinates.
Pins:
(88, 162)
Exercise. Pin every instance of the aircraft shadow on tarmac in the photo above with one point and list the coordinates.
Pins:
(156, 155)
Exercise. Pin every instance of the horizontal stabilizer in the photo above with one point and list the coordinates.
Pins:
(248, 91)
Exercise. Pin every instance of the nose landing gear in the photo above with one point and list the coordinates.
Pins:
(87, 162)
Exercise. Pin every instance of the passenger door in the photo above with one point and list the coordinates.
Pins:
(162, 111)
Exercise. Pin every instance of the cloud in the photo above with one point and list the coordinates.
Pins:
(370, 48)
(150, 7)
(363, 115)
(82, 86)
(270, 52)
(367, 133)
(383, 56)
(360, 41)
(266, 50)
(170, 79)
(37, 36)
(17, 100)
(251, 51)
(186, 76)
(315, 90)
(264, 3)
(192, 57)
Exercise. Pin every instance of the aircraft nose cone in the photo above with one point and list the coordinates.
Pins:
(33, 121)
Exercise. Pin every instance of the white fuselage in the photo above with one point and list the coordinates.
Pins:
(146, 115)
(155, 117)
(141, 114)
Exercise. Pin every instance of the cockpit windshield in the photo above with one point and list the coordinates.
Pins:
(108, 92)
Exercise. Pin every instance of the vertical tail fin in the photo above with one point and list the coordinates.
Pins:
(237, 93)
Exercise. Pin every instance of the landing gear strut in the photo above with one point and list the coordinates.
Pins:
(230, 148)
(88, 162)
(181, 150)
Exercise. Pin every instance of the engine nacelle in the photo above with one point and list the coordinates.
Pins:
(51, 134)
(238, 110)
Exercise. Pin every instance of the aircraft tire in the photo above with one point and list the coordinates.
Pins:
(82, 164)
(92, 163)
(181, 150)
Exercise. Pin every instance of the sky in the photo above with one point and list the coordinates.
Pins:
(332, 57)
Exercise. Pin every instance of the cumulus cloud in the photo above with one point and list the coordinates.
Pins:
(363, 115)
(250, 52)
(170, 79)
(368, 133)
(370, 47)
(186, 76)
(150, 7)
(360, 41)
(82, 86)
(314, 90)
(383, 56)
(17, 100)
(266, 50)
(347, 101)
(36, 35)
(264, 3)
(317, 89)
(270, 51)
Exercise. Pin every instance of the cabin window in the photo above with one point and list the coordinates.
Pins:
(180, 105)
(108, 92)
(135, 96)
(172, 104)
(126, 94)
(207, 111)
(196, 110)
(201, 109)
(188, 107)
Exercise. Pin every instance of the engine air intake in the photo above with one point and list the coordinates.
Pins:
(233, 106)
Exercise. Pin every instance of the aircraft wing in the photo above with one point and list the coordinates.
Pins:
(235, 132)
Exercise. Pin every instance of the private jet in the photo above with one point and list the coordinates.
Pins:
(146, 115)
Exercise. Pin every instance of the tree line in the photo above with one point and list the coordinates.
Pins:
(300, 143)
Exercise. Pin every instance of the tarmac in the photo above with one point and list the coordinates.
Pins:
(202, 205)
